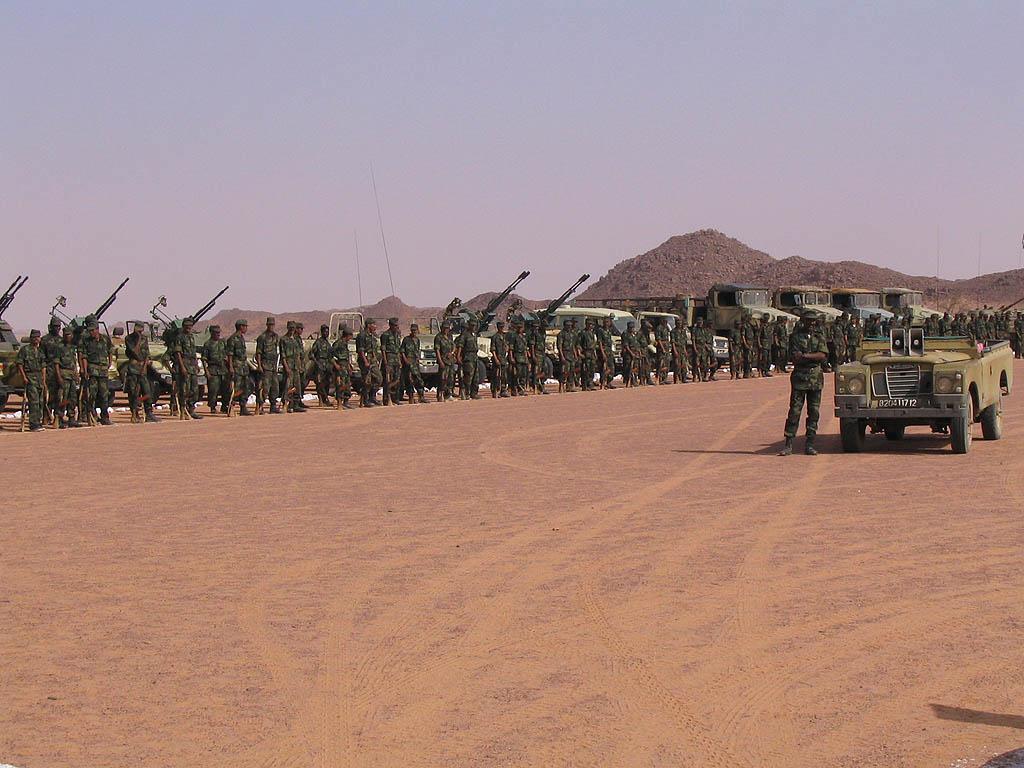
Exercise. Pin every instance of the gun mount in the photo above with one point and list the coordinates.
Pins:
(8, 298)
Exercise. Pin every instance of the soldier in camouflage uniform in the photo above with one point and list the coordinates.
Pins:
(537, 339)
(467, 348)
(65, 369)
(341, 357)
(391, 349)
(606, 352)
(368, 350)
(321, 355)
(50, 344)
(294, 365)
(735, 349)
(807, 351)
(642, 352)
(215, 363)
(499, 362)
(519, 354)
(587, 341)
(1018, 332)
(95, 353)
(663, 351)
(931, 325)
(873, 327)
(854, 338)
(238, 367)
(186, 370)
(945, 325)
(412, 377)
(780, 344)
(838, 343)
(567, 357)
(703, 345)
(748, 346)
(444, 350)
(680, 358)
(764, 343)
(628, 341)
(31, 362)
(268, 355)
(136, 377)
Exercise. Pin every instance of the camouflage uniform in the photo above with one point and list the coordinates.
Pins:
(239, 366)
(780, 344)
(50, 344)
(567, 356)
(467, 348)
(735, 350)
(606, 352)
(806, 381)
(342, 361)
(499, 359)
(539, 357)
(663, 354)
(391, 349)
(838, 343)
(444, 350)
(764, 342)
(31, 360)
(368, 349)
(65, 369)
(291, 352)
(931, 325)
(854, 338)
(136, 376)
(628, 342)
(519, 352)
(748, 347)
(588, 355)
(95, 356)
(186, 370)
(321, 354)
(215, 363)
(680, 359)
(412, 378)
(268, 356)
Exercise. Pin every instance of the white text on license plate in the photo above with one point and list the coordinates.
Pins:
(897, 402)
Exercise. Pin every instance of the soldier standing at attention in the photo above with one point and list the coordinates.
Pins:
(50, 344)
(807, 352)
(680, 360)
(780, 344)
(268, 355)
(606, 352)
(412, 378)
(735, 349)
(519, 353)
(627, 340)
(321, 355)
(538, 338)
(945, 325)
(764, 339)
(186, 369)
(215, 363)
(588, 354)
(839, 342)
(663, 351)
(290, 350)
(391, 348)
(749, 346)
(854, 338)
(238, 367)
(931, 325)
(94, 353)
(136, 380)
(31, 362)
(567, 356)
(499, 360)
(466, 350)
(444, 350)
(342, 363)
(368, 350)
(65, 367)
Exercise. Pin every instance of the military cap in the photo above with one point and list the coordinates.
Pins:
(54, 322)
(138, 324)
(291, 325)
(299, 324)
(69, 331)
(271, 321)
(214, 328)
(501, 323)
(190, 321)
(630, 324)
(34, 333)
(91, 325)
(566, 322)
(416, 327)
(610, 316)
(392, 321)
(239, 323)
(325, 327)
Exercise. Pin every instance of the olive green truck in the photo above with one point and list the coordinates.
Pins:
(948, 384)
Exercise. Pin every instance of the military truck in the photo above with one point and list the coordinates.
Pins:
(899, 299)
(947, 384)
(860, 301)
(10, 379)
(727, 302)
(801, 299)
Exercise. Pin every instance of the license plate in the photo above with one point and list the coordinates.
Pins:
(898, 402)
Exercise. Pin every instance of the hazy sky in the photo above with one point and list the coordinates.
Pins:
(193, 145)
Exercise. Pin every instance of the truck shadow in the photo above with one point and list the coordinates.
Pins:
(914, 443)
(1012, 759)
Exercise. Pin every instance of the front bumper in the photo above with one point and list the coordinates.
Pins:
(932, 407)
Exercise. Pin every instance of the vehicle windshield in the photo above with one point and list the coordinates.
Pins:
(902, 300)
(657, 319)
(754, 298)
(824, 299)
(866, 300)
(791, 299)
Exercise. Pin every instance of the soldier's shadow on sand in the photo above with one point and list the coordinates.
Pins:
(1013, 759)
(912, 442)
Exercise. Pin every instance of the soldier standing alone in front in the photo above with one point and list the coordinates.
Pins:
(808, 352)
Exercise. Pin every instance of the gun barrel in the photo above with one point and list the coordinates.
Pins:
(561, 299)
(13, 288)
(209, 305)
(110, 300)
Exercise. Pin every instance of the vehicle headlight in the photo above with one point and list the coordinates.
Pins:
(855, 384)
(947, 383)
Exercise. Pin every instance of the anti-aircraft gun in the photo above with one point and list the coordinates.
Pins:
(77, 323)
(9, 343)
(518, 314)
(173, 324)
(459, 315)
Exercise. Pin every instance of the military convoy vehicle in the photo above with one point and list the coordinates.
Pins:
(803, 299)
(727, 302)
(861, 302)
(899, 299)
(947, 383)
(10, 379)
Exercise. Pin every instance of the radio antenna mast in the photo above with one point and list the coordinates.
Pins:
(380, 220)
(359, 274)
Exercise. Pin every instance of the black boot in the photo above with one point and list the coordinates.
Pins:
(151, 419)
(787, 449)
(809, 448)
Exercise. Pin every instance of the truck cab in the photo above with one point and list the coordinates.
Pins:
(727, 302)
(899, 299)
(800, 299)
(861, 302)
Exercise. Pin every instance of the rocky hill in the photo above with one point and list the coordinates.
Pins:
(690, 264)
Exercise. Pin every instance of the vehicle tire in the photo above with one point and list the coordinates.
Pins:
(960, 430)
(851, 434)
(992, 421)
(895, 431)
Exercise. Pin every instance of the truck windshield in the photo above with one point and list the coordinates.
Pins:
(657, 319)
(791, 299)
(867, 300)
(823, 299)
(754, 298)
(904, 300)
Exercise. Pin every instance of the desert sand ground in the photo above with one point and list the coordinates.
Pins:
(626, 578)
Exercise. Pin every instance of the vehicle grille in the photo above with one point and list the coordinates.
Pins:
(902, 381)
